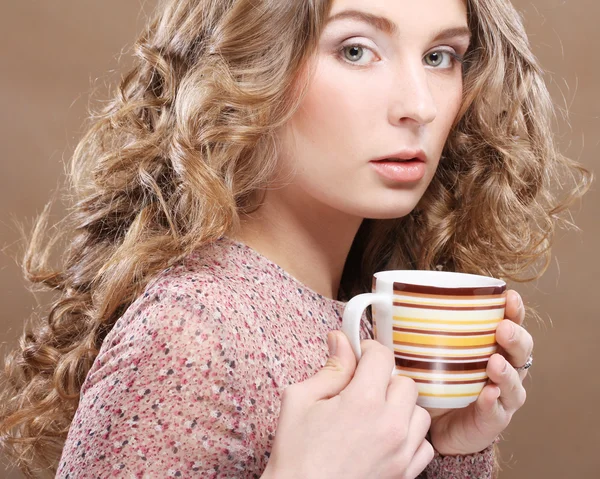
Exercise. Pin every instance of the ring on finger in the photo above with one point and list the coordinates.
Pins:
(527, 364)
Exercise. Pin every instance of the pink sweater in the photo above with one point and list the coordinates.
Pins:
(188, 383)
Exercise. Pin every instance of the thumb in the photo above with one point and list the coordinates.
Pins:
(337, 372)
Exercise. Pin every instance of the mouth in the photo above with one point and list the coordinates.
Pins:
(409, 156)
(398, 160)
(408, 166)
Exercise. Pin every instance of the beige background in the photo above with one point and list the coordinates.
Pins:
(53, 52)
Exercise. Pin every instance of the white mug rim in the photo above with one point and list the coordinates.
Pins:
(439, 279)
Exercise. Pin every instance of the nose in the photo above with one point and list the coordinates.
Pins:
(412, 100)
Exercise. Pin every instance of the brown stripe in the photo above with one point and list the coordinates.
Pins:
(449, 383)
(436, 346)
(478, 291)
(447, 297)
(445, 358)
(439, 366)
(448, 308)
(444, 333)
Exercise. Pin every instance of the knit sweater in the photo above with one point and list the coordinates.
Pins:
(188, 383)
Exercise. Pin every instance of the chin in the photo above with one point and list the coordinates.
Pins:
(373, 204)
(389, 215)
(375, 211)
(387, 207)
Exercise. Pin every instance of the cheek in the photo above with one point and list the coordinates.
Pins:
(449, 101)
(454, 98)
(455, 102)
(333, 110)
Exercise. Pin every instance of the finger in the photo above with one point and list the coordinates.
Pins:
(420, 423)
(401, 390)
(490, 416)
(515, 309)
(373, 372)
(332, 378)
(487, 401)
(516, 343)
(409, 419)
(503, 375)
(420, 461)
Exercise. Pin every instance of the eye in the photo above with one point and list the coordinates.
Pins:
(354, 53)
(358, 55)
(442, 59)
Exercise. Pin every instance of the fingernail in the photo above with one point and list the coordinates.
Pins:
(505, 369)
(332, 343)
(498, 392)
(513, 332)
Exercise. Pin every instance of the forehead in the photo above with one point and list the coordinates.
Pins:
(408, 17)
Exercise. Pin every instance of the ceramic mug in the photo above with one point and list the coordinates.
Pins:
(440, 325)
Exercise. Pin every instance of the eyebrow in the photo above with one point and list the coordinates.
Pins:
(380, 23)
(387, 26)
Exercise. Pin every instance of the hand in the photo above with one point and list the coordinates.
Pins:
(472, 429)
(351, 421)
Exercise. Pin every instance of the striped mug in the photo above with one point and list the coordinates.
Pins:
(440, 325)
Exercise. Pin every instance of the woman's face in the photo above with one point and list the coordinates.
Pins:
(386, 89)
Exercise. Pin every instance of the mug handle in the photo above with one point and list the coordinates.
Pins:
(353, 314)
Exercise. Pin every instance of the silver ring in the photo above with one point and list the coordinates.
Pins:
(527, 365)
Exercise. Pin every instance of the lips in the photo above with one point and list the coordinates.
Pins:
(396, 160)
(402, 156)
(404, 167)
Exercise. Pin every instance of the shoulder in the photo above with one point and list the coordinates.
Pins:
(188, 301)
(186, 314)
(169, 374)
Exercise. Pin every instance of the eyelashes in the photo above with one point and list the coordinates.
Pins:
(357, 54)
(450, 55)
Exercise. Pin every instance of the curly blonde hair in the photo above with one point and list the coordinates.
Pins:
(187, 146)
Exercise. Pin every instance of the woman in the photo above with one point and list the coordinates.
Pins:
(259, 163)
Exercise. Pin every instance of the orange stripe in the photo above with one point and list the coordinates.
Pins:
(498, 305)
(441, 346)
(456, 357)
(449, 395)
(448, 308)
(449, 383)
(476, 341)
(401, 319)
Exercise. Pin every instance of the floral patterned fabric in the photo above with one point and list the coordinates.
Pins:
(188, 383)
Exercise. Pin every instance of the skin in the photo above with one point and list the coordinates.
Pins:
(351, 115)
(395, 96)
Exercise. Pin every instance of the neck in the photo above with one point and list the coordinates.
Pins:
(309, 241)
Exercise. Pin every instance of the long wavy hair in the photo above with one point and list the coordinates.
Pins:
(188, 144)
